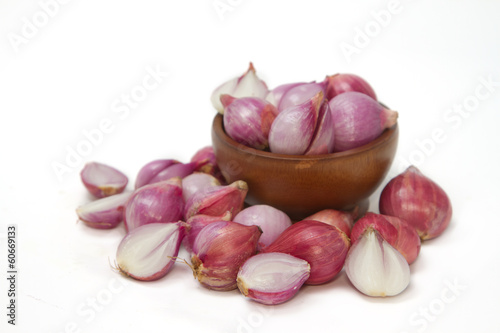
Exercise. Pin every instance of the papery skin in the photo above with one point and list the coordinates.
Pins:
(337, 218)
(377, 222)
(248, 120)
(274, 96)
(219, 250)
(247, 85)
(408, 242)
(358, 119)
(397, 232)
(376, 268)
(104, 213)
(153, 203)
(323, 138)
(343, 82)
(129, 257)
(294, 128)
(418, 200)
(288, 275)
(216, 200)
(151, 169)
(196, 223)
(102, 180)
(195, 182)
(322, 245)
(211, 167)
(300, 94)
(271, 221)
(160, 170)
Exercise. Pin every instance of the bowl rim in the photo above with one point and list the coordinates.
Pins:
(218, 128)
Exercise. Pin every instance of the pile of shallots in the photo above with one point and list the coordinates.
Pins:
(305, 118)
(258, 249)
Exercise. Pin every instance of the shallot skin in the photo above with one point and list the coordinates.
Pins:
(211, 167)
(272, 221)
(300, 94)
(196, 223)
(102, 180)
(153, 203)
(358, 119)
(272, 278)
(343, 82)
(160, 170)
(219, 250)
(419, 201)
(104, 213)
(322, 245)
(216, 200)
(274, 96)
(397, 232)
(340, 219)
(248, 120)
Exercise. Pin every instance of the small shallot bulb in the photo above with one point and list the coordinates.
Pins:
(341, 83)
(408, 242)
(322, 245)
(196, 223)
(338, 218)
(155, 203)
(271, 221)
(104, 213)
(303, 129)
(300, 94)
(272, 278)
(160, 170)
(418, 200)
(102, 180)
(211, 167)
(274, 96)
(376, 268)
(247, 85)
(358, 119)
(196, 182)
(147, 253)
(219, 250)
(397, 232)
(216, 200)
(247, 120)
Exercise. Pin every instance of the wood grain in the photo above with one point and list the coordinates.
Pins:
(303, 185)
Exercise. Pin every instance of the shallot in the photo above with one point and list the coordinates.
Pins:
(322, 245)
(358, 119)
(104, 213)
(148, 252)
(103, 180)
(248, 120)
(154, 203)
(247, 85)
(219, 250)
(271, 221)
(376, 268)
(272, 278)
(216, 200)
(419, 201)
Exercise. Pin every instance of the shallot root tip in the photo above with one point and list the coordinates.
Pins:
(184, 261)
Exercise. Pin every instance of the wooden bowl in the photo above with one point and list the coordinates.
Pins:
(302, 185)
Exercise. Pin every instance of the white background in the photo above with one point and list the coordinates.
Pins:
(65, 78)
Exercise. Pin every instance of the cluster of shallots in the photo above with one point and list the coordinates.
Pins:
(306, 118)
(258, 249)
(413, 208)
